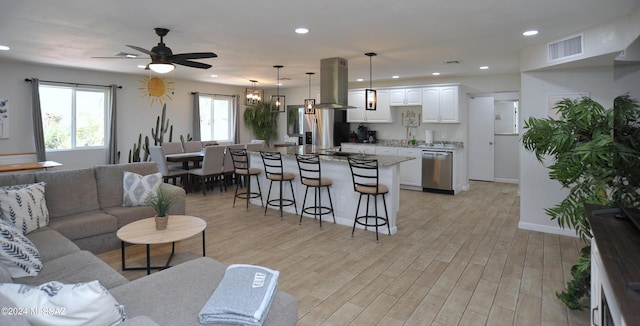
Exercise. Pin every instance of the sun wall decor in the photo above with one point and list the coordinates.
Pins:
(156, 89)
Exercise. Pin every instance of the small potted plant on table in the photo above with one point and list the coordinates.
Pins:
(161, 201)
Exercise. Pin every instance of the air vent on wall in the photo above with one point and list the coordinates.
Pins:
(565, 48)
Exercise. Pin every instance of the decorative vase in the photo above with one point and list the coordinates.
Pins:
(161, 222)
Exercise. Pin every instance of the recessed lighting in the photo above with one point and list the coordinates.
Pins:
(436, 74)
(214, 76)
(360, 79)
(530, 33)
(142, 66)
(484, 67)
(4, 48)
(279, 84)
(302, 30)
(395, 77)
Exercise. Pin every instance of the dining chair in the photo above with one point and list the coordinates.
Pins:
(192, 146)
(242, 168)
(365, 176)
(211, 169)
(172, 148)
(168, 172)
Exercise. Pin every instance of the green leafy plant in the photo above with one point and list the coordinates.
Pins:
(161, 201)
(262, 121)
(594, 154)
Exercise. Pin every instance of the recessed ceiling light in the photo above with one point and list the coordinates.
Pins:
(4, 48)
(302, 30)
(530, 33)
(360, 79)
(214, 76)
(395, 77)
(142, 66)
(436, 74)
(484, 67)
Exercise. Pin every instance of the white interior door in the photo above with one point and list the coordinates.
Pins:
(481, 138)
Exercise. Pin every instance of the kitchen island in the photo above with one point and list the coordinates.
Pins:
(335, 166)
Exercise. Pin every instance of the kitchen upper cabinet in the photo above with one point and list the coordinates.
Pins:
(405, 96)
(440, 104)
(382, 114)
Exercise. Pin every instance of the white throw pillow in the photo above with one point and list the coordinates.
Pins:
(136, 188)
(55, 303)
(17, 253)
(24, 206)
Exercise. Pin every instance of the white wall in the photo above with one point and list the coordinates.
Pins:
(507, 158)
(135, 114)
(537, 191)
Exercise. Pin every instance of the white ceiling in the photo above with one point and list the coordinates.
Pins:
(412, 38)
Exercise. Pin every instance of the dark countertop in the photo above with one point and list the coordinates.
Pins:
(618, 241)
(334, 154)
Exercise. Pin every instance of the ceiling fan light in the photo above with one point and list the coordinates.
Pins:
(162, 67)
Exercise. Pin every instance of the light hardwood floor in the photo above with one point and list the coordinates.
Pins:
(456, 260)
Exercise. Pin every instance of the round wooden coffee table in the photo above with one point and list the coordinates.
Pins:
(179, 227)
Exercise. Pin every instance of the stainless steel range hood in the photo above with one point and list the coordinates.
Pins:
(334, 80)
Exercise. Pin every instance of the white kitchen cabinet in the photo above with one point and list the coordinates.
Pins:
(440, 104)
(405, 96)
(382, 150)
(382, 114)
(411, 171)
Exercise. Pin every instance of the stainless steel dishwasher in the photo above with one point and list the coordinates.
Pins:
(437, 171)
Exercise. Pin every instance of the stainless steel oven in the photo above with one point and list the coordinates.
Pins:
(437, 171)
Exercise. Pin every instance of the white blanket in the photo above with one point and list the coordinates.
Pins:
(243, 296)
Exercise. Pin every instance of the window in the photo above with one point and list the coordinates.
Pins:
(73, 117)
(216, 118)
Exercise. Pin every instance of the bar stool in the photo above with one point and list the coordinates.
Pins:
(365, 181)
(275, 172)
(242, 168)
(311, 176)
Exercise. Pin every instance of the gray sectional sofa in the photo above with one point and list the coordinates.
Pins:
(85, 208)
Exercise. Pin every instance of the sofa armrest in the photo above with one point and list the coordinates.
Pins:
(179, 206)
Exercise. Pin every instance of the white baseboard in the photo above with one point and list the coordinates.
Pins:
(505, 180)
(547, 229)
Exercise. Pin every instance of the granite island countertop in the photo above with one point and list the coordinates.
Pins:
(334, 154)
(441, 145)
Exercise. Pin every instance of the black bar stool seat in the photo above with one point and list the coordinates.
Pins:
(274, 172)
(311, 176)
(242, 169)
(365, 177)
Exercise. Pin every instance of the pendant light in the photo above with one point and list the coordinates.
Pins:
(310, 103)
(277, 101)
(370, 93)
(253, 95)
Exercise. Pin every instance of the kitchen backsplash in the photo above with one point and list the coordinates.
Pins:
(454, 132)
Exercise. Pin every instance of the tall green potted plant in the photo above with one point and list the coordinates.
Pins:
(595, 154)
(262, 121)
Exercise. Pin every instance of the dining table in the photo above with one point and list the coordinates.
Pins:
(44, 165)
(185, 158)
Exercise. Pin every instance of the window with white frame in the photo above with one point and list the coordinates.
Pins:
(216, 118)
(73, 117)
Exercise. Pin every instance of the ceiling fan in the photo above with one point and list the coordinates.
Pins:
(162, 58)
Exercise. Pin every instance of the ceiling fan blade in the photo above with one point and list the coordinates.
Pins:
(192, 64)
(194, 55)
(141, 50)
(117, 57)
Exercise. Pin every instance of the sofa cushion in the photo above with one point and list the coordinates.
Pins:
(17, 253)
(9, 179)
(137, 189)
(83, 225)
(189, 285)
(109, 180)
(126, 215)
(87, 303)
(76, 267)
(139, 321)
(51, 244)
(11, 319)
(69, 192)
(24, 206)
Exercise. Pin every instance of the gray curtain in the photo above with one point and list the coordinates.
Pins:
(196, 116)
(112, 142)
(38, 132)
(236, 119)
